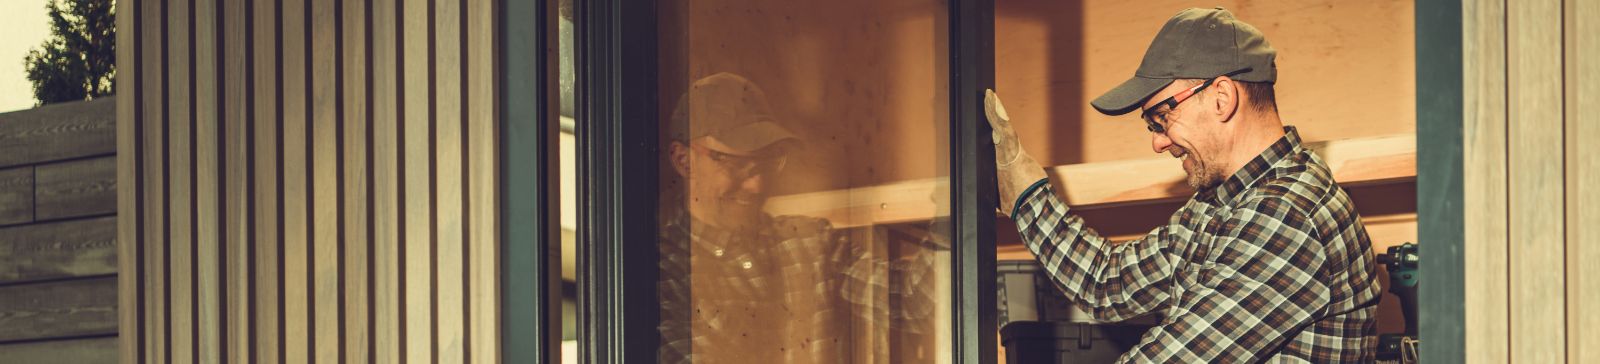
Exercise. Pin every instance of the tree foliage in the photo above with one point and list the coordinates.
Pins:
(78, 60)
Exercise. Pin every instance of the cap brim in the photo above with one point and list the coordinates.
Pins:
(1129, 95)
(753, 137)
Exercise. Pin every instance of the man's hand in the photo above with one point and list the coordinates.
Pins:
(1015, 170)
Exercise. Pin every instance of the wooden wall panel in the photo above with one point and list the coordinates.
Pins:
(1536, 188)
(16, 195)
(73, 309)
(305, 173)
(1484, 182)
(54, 250)
(1582, 91)
(58, 132)
(130, 261)
(83, 351)
(76, 188)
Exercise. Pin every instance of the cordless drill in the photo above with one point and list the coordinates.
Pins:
(1401, 261)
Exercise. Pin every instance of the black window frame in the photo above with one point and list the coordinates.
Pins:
(617, 150)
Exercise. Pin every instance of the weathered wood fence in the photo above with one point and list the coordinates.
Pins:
(58, 228)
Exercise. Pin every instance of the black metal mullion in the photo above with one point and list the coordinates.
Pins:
(972, 181)
(526, 108)
(616, 131)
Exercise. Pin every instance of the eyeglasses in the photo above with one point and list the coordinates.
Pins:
(1155, 117)
(744, 166)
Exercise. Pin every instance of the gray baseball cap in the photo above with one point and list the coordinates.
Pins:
(730, 109)
(1195, 44)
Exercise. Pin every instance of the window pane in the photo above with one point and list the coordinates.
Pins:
(803, 167)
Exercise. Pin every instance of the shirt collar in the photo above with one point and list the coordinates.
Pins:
(1253, 171)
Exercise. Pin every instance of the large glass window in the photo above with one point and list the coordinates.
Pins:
(803, 193)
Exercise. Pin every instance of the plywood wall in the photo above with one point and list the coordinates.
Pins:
(1531, 82)
(1345, 68)
(307, 180)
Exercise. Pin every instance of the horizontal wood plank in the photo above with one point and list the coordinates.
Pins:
(16, 195)
(59, 131)
(58, 250)
(1095, 186)
(76, 351)
(76, 188)
(58, 309)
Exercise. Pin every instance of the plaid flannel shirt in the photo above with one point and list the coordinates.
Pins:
(1271, 265)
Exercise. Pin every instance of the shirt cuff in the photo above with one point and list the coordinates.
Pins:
(1017, 205)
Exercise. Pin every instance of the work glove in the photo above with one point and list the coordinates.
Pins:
(1015, 169)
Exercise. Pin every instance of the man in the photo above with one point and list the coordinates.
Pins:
(740, 286)
(1268, 261)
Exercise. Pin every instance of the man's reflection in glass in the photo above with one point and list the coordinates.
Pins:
(738, 285)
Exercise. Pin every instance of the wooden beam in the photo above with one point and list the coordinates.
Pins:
(58, 250)
(57, 132)
(77, 351)
(77, 188)
(1093, 186)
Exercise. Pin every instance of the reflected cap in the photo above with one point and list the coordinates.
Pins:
(1195, 44)
(730, 109)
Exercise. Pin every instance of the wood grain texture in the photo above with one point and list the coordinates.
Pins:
(292, 205)
(357, 239)
(73, 248)
(154, 179)
(79, 351)
(236, 303)
(482, 164)
(76, 188)
(56, 132)
(16, 195)
(205, 267)
(325, 199)
(1582, 92)
(129, 294)
(418, 190)
(449, 288)
(386, 193)
(1097, 186)
(179, 272)
(1484, 178)
(268, 240)
(58, 309)
(1536, 187)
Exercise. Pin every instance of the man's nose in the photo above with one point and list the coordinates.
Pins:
(1159, 142)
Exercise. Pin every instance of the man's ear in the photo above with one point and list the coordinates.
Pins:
(679, 155)
(1225, 98)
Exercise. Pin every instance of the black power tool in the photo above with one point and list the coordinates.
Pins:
(1401, 261)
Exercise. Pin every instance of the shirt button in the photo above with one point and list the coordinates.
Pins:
(746, 265)
(717, 252)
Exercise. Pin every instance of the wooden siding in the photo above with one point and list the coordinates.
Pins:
(1530, 76)
(58, 258)
(314, 181)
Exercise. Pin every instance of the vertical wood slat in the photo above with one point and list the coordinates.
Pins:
(483, 239)
(357, 273)
(448, 169)
(386, 193)
(268, 242)
(236, 304)
(1484, 181)
(325, 200)
(267, 140)
(295, 162)
(207, 306)
(129, 291)
(417, 189)
(1582, 90)
(153, 131)
(1536, 186)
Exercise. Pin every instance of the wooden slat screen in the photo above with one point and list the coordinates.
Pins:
(1530, 77)
(306, 181)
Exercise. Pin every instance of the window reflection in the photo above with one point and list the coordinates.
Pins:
(801, 173)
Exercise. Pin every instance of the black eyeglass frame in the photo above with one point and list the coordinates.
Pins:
(1172, 102)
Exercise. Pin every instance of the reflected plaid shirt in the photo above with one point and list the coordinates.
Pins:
(1271, 265)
